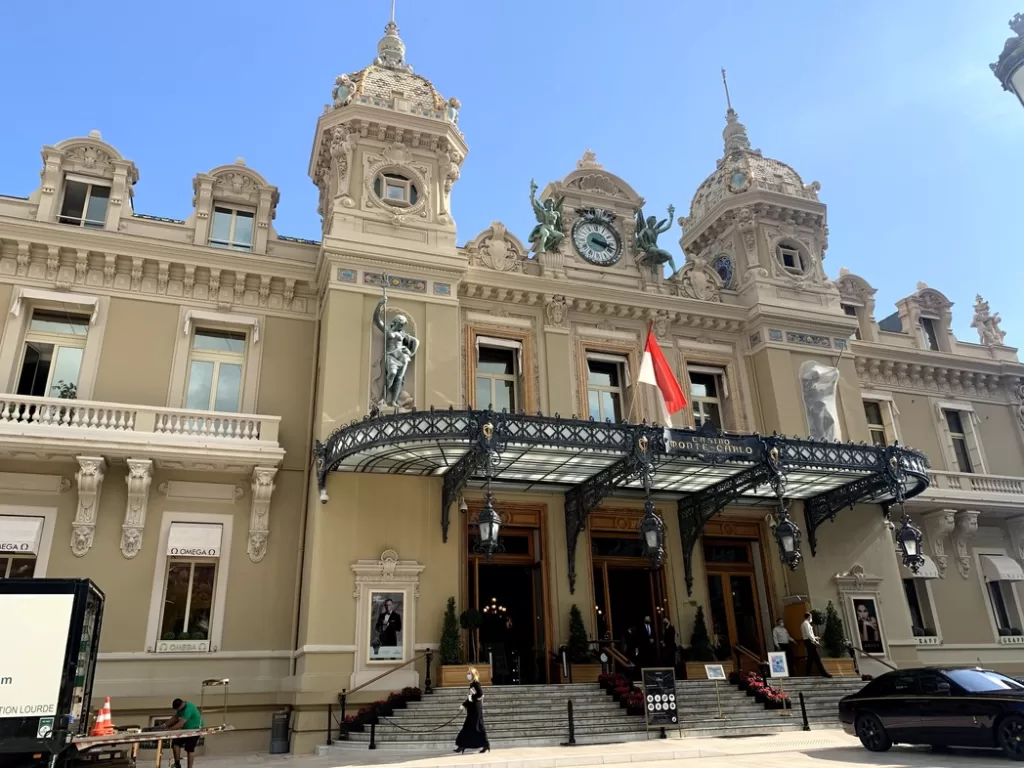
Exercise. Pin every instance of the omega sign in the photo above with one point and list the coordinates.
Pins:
(193, 552)
(8, 546)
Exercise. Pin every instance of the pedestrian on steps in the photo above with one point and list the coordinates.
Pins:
(473, 734)
(811, 644)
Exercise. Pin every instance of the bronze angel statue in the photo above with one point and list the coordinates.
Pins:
(647, 231)
(548, 233)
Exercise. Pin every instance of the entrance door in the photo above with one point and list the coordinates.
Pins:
(732, 594)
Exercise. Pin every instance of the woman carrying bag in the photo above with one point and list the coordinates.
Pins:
(473, 735)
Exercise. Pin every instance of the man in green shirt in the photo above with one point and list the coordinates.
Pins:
(187, 717)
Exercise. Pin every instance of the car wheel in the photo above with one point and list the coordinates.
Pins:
(1010, 737)
(872, 734)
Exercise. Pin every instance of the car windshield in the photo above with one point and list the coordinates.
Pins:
(980, 681)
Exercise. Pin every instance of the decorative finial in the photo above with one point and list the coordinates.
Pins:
(392, 11)
(94, 134)
(921, 285)
(391, 49)
(589, 160)
(725, 82)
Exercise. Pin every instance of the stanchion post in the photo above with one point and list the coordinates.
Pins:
(803, 712)
(330, 714)
(342, 700)
(373, 733)
(572, 726)
(718, 696)
(428, 686)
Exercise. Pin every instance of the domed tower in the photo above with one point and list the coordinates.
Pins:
(759, 226)
(386, 154)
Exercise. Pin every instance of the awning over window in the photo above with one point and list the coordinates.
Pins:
(196, 316)
(56, 297)
(194, 540)
(927, 571)
(20, 535)
(1001, 568)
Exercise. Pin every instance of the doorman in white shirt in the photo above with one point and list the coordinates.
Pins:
(811, 645)
(784, 642)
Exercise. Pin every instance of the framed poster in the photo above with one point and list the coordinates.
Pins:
(869, 626)
(715, 671)
(387, 636)
(659, 687)
(777, 665)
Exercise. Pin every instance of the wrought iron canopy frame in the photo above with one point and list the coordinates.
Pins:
(705, 470)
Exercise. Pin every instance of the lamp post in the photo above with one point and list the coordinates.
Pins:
(1009, 67)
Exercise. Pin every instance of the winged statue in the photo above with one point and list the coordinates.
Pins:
(548, 233)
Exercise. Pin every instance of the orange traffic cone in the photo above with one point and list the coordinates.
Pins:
(103, 725)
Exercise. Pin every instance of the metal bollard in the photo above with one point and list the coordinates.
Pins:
(572, 727)
(373, 734)
(330, 716)
(803, 712)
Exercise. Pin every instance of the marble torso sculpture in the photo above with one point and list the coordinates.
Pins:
(819, 383)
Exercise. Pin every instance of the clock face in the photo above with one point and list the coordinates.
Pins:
(596, 242)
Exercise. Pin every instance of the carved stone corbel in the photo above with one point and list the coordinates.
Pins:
(938, 526)
(89, 477)
(259, 519)
(140, 477)
(966, 528)
(1015, 526)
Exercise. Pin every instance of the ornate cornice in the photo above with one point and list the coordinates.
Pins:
(776, 207)
(950, 376)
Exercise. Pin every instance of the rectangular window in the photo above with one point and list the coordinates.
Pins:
(851, 310)
(497, 374)
(957, 433)
(188, 599)
(922, 615)
(606, 387)
(84, 205)
(20, 567)
(790, 258)
(216, 363)
(708, 390)
(1000, 596)
(52, 356)
(876, 423)
(232, 228)
(931, 338)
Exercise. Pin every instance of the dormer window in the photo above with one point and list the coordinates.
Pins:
(792, 258)
(931, 338)
(395, 189)
(85, 204)
(232, 228)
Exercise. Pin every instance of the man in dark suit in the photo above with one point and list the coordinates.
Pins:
(389, 624)
(648, 649)
(668, 643)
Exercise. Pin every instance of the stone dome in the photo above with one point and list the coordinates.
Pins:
(742, 169)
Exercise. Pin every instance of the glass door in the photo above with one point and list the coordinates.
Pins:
(732, 595)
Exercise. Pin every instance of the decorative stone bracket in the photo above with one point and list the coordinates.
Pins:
(966, 528)
(140, 477)
(387, 569)
(1015, 526)
(938, 526)
(259, 519)
(92, 470)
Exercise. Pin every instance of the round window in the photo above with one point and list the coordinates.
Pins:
(395, 189)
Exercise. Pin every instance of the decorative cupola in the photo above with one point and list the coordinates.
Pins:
(386, 156)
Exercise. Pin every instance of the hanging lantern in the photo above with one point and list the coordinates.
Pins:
(787, 536)
(652, 530)
(489, 525)
(909, 541)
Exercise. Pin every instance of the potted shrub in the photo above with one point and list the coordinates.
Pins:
(585, 666)
(834, 645)
(412, 694)
(702, 651)
(397, 701)
(471, 620)
(452, 664)
(634, 703)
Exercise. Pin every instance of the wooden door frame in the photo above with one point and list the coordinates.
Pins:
(734, 569)
(516, 516)
(631, 563)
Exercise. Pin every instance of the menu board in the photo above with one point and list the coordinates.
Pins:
(659, 687)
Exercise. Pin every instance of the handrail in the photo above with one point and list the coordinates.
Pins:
(385, 674)
(619, 657)
(883, 662)
(738, 649)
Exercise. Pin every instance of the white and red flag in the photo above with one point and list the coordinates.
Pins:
(656, 371)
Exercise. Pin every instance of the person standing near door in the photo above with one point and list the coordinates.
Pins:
(811, 644)
(668, 643)
(784, 642)
(648, 655)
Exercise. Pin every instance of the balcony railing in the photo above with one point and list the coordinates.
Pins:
(73, 426)
(971, 483)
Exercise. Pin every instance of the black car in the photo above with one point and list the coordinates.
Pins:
(938, 707)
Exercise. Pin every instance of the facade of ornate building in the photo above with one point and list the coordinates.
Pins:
(187, 420)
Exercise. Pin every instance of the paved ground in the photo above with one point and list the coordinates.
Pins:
(818, 749)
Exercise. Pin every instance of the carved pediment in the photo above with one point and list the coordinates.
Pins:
(854, 289)
(698, 280)
(498, 249)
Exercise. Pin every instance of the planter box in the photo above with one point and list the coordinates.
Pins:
(581, 673)
(840, 667)
(695, 669)
(454, 676)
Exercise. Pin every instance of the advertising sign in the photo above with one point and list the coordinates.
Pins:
(33, 640)
(660, 698)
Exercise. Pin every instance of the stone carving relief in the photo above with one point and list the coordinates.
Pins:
(388, 568)
(259, 517)
(854, 289)
(699, 280)
(498, 249)
(987, 324)
(597, 183)
(139, 478)
(388, 564)
(965, 528)
(930, 300)
(557, 311)
(451, 163)
(938, 526)
(1015, 526)
(661, 322)
(89, 477)
(343, 91)
(819, 383)
(1018, 391)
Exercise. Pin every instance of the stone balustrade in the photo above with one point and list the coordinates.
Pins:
(971, 483)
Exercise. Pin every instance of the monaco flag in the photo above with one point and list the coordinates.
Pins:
(655, 370)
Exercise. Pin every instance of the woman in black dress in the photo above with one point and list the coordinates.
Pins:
(473, 735)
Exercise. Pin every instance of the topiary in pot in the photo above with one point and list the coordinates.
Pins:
(451, 648)
(579, 644)
(833, 639)
(700, 640)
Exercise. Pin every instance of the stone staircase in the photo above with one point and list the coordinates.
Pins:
(518, 716)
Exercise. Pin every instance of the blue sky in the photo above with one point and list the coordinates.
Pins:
(891, 106)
